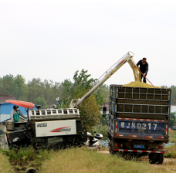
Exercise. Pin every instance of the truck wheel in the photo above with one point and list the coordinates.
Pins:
(110, 150)
(160, 158)
(152, 158)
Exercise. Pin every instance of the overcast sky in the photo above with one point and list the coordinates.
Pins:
(52, 41)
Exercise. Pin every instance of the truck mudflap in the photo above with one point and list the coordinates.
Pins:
(138, 151)
(141, 128)
(3, 140)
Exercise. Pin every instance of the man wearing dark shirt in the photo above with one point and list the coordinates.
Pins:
(143, 68)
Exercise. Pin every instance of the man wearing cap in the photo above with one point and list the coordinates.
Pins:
(143, 68)
(15, 114)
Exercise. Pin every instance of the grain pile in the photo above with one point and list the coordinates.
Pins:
(139, 84)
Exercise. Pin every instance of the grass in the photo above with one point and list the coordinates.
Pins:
(25, 158)
(5, 166)
(170, 165)
(172, 136)
(81, 160)
(171, 151)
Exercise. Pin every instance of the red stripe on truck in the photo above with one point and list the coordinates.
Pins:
(160, 137)
(143, 151)
(116, 150)
(125, 150)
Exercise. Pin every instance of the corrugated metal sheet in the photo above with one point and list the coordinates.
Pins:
(4, 117)
(6, 108)
(5, 111)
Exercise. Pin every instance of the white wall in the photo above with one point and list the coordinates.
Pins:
(173, 108)
(4, 117)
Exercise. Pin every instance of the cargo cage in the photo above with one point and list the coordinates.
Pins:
(54, 114)
(144, 103)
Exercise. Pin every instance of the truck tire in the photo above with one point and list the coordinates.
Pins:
(110, 149)
(160, 158)
(152, 158)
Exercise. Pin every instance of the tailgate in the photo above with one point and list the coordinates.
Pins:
(141, 128)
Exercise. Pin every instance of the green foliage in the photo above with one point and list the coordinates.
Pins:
(170, 151)
(172, 136)
(66, 93)
(99, 98)
(25, 157)
(41, 101)
(81, 82)
(172, 120)
(45, 92)
(79, 160)
(104, 120)
(102, 94)
(46, 89)
(20, 89)
(173, 94)
(89, 110)
(14, 86)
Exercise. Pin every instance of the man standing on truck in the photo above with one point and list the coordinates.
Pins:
(143, 68)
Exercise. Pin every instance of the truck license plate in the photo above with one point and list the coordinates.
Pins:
(139, 146)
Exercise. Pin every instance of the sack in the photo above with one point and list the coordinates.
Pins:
(16, 117)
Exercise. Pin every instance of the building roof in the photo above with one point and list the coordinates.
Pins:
(51, 106)
(3, 98)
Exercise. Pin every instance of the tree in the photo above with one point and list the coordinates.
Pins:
(172, 120)
(66, 92)
(41, 101)
(81, 82)
(35, 89)
(7, 85)
(99, 97)
(20, 88)
(89, 110)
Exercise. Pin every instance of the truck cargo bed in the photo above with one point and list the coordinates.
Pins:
(144, 103)
(139, 113)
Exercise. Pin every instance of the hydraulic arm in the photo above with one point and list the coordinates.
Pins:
(127, 58)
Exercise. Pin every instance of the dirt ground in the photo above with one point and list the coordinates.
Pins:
(169, 163)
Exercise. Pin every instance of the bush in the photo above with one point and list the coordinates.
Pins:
(170, 151)
(25, 157)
